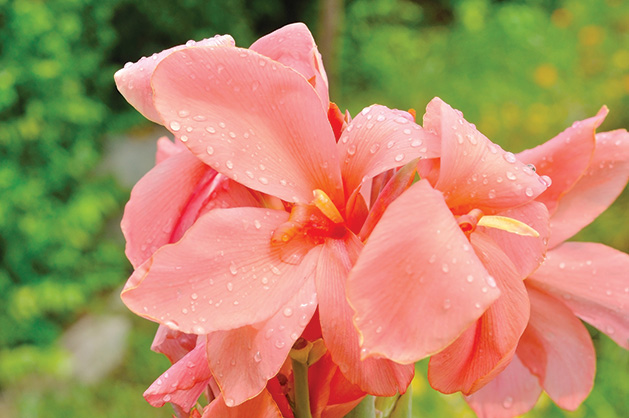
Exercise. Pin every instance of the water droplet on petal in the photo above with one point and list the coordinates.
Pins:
(380, 118)
(529, 192)
(445, 268)
(279, 344)
(416, 143)
(229, 402)
(511, 176)
(263, 180)
(229, 164)
(183, 113)
(209, 150)
(166, 398)
(257, 357)
(230, 286)
(508, 402)
(351, 150)
(175, 126)
(288, 312)
(374, 148)
(491, 281)
(509, 157)
(399, 157)
(470, 278)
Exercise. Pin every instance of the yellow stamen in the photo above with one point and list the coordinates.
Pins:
(326, 206)
(508, 224)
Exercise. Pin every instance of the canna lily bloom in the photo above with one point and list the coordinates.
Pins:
(463, 237)
(250, 277)
(487, 347)
(577, 280)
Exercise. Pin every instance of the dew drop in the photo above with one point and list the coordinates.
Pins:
(194, 296)
(276, 270)
(233, 269)
(288, 312)
(229, 164)
(230, 286)
(529, 192)
(380, 118)
(229, 402)
(491, 194)
(511, 176)
(470, 278)
(390, 144)
(545, 180)
(445, 268)
(263, 180)
(351, 150)
(508, 402)
(184, 138)
(210, 129)
(166, 398)
(257, 224)
(399, 157)
(374, 148)
(257, 357)
(279, 344)
(378, 330)
(509, 157)
(172, 325)
(209, 150)
(183, 113)
(416, 143)
(491, 281)
(175, 126)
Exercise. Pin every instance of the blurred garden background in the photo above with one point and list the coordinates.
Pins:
(71, 147)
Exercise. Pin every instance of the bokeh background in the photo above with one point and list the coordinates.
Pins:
(71, 148)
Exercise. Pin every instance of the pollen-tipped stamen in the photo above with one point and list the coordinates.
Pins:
(326, 206)
(508, 224)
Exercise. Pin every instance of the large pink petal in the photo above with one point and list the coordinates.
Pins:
(294, 46)
(379, 139)
(183, 382)
(223, 274)
(134, 80)
(476, 173)
(591, 279)
(564, 158)
(602, 183)
(485, 349)
(512, 392)
(250, 118)
(158, 201)
(379, 377)
(526, 253)
(173, 344)
(244, 359)
(557, 348)
(262, 406)
(417, 284)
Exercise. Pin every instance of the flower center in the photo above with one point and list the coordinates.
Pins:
(316, 221)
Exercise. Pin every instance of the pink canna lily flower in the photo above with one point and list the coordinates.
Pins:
(463, 238)
(577, 280)
(251, 275)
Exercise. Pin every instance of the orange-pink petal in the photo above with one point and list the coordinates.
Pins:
(380, 377)
(223, 274)
(379, 139)
(250, 118)
(526, 253)
(262, 406)
(183, 382)
(242, 360)
(557, 348)
(565, 158)
(134, 80)
(485, 348)
(173, 344)
(294, 46)
(602, 183)
(592, 280)
(513, 392)
(157, 203)
(474, 172)
(417, 284)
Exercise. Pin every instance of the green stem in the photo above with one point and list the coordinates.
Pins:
(302, 396)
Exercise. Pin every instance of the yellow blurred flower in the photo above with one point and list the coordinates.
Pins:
(561, 18)
(545, 75)
(591, 35)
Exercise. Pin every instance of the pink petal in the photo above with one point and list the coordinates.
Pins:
(602, 183)
(379, 139)
(223, 274)
(157, 203)
(173, 344)
(294, 46)
(183, 382)
(564, 158)
(262, 406)
(526, 253)
(250, 118)
(134, 80)
(591, 279)
(476, 173)
(512, 392)
(167, 148)
(557, 348)
(411, 287)
(485, 349)
(380, 377)
(244, 359)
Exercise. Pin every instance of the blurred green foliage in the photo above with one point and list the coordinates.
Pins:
(521, 70)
